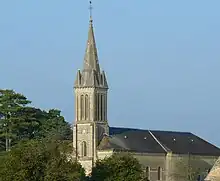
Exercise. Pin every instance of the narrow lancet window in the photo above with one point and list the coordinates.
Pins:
(106, 111)
(86, 107)
(159, 173)
(77, 108)
(82, 107)
(83, 149)
(101, 107)
(103, 104)
(147, 173)
(97, 107)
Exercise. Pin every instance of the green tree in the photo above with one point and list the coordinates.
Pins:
(18, 121)
(40, 160)
(10, 103)
(54, 125)
(28, 124)
(118, 167)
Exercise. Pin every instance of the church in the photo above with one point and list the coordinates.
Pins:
(164, 155)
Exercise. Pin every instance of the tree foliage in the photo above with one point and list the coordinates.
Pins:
(54, 124)
(39, 161)
(10, 104)
(19, 121)
(118, 167)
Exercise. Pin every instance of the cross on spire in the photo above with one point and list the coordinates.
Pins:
(90, 9)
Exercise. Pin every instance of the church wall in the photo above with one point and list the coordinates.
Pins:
(171, 167)
(154, 165)
(85, 133)
(180, 166)
(104, 154)
(175, 167)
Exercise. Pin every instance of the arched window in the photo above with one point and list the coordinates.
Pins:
(86, 107)
(95, 114)
(106, 107)
(147, 173)
(82, 106)
(103, 103)
(159, 173)
(101, 107)
(83, 149)
(98, 107)
(77, 108)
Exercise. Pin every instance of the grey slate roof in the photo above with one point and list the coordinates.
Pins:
(132, 140)
(91, 76)
(149, 141)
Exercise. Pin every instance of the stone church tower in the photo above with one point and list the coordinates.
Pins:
(90, 105)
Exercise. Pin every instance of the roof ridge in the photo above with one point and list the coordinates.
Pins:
(154, 137)
(141, 129)
(173, 131)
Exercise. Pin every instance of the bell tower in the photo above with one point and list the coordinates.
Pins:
(90, 89)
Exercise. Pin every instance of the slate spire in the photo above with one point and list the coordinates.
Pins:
(91, 56)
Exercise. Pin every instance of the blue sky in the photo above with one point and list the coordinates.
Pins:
(162, 59)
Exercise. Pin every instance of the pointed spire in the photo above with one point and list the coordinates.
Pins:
(91, 76)
(91, 56)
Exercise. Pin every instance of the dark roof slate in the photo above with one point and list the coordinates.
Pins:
(183, 142)
(149, 141)
(135, 140)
